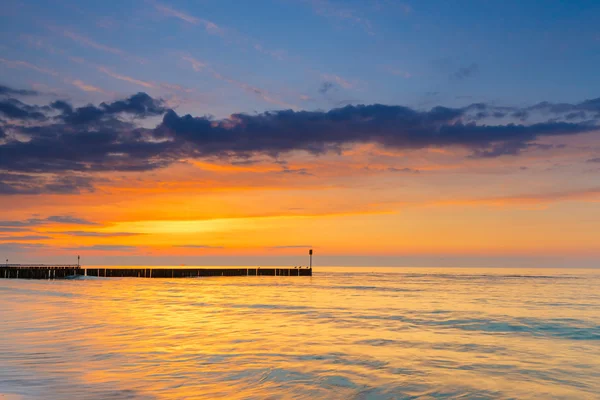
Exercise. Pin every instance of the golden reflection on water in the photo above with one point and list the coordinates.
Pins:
(370, 333)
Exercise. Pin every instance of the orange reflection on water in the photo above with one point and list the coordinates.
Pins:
(344, 333)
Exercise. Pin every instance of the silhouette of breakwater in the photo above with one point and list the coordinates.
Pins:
(47, 271)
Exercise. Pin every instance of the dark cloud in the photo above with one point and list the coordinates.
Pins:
(68, 219)
(15, 109)
(297, 171)
(64, 145)
(96, 234)
(7, 91)
(24, 238)
(14, 184)
(570, 111)
(318, 132)
(292, 246)
(594, 160)
(575, 115)
(404, 170)
(465, 72)
(60, 219)
(326, 87)
(198, 246)
(13, 247)
(4, 229)
(102, 247)
(520, 114)
(139, 105)
(244, 162)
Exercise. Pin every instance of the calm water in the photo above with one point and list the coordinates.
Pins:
(343, 334)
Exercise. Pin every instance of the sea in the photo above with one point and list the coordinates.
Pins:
(344, 333)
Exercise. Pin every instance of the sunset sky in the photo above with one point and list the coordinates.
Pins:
(377, 132)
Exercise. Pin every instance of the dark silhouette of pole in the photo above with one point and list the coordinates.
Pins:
(310, 254)
(78, 261)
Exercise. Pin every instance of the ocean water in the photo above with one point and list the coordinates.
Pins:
(345, 333)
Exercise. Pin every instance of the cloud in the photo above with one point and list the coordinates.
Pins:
(588, 194)
(126, 78)
(465, 72)
(196, 64)
(398, 72)
(258, 92)
(25, 64)
(56, 219)
(67, 219)
(326, 8)
(12, 247)
(86, 87)
(338, 80)
(319, 132)
(139, 105)
(297, 171)
(96, 234)
(90, 43)
(13, 108)
(7, 91)
(326, 87)
(594, 160)
(4, 229)
(209, 26)
(19, 184)
(27, 238)
(293, 246)
(198, 246)
(102, 247)
(404, 170)
(59, 153)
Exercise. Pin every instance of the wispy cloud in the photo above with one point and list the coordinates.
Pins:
(328, 9)
(277, 54)
(398, 72)
(258, 92)
(346, 84)
(584, 195)
(404, 170)
(291, 246)
(126, 78)
(465, 72)
(385, 5)
(36, 221)
(86, 87)
(196, 64)
(28, 65)
(103, 247)
(85, 41)
(209, 26)
(197, 246)
(27, 238)
(96, 234)
(41, 43)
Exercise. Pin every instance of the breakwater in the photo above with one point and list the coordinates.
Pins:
(47, 271)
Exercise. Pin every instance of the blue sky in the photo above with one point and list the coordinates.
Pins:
(255, 56)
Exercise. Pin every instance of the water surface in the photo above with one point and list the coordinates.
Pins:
(345, 333)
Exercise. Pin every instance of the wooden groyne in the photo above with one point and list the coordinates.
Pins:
(38, 271)
(46, 271)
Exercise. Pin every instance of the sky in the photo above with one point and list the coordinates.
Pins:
(377, 132)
